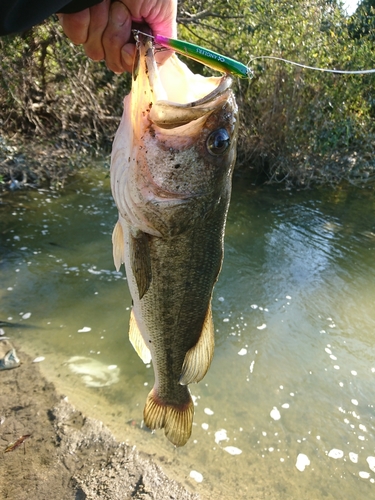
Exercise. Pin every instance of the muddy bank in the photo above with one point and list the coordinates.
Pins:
(68, 456)
(33, 164)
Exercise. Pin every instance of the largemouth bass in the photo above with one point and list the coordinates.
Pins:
(171, 169)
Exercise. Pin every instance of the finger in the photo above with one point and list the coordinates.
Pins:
(116, 35)
(76, 25)
(98, 23)
(127, 56)
(162, 21)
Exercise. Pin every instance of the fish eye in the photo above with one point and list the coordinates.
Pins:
(218, 141)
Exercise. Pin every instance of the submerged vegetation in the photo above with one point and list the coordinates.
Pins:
(297, 125)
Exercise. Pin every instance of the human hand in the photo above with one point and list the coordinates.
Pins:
(104, 30)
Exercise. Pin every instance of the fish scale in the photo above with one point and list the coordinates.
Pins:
(195, 258)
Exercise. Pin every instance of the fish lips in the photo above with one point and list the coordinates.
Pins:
(169, 115)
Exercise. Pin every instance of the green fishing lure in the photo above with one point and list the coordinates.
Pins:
(204, 56)
(228, 65)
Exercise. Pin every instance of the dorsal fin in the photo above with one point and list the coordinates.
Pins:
(118, 245)
(198, 359)
(137, 341)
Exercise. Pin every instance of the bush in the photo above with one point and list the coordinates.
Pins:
(296, 124)
(49, 88)
(57, 108)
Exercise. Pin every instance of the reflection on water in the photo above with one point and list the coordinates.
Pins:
(286, 410)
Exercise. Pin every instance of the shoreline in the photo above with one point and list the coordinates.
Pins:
(73, 455)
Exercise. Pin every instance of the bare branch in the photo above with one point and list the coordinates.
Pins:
(208, 26)
(207, 42)
(203, 15)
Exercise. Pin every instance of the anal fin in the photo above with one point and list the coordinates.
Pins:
(137, 340)
(177, 420)
(140, 261)
(198, 359)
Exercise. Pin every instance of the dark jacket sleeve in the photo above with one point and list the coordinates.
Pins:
(20, 15)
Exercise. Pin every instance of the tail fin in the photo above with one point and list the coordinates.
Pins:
(176, 420)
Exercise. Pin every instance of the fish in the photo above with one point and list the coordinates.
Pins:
(171, 167)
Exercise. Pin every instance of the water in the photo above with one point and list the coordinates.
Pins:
(286, 410)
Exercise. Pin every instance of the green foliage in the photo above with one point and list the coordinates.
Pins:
(363, 22)
(295, 122)
(49, 88)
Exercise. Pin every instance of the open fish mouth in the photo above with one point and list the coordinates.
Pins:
(174, 105)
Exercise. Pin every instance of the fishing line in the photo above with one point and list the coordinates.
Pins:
(325, 70)
(228, 65)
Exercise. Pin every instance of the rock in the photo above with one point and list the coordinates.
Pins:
(8, 356)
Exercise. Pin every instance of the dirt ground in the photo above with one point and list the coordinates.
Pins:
(68, 456)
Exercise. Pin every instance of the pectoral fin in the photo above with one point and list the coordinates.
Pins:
(137, 341)
(118, 245)
(198, 359)
(139, 251)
